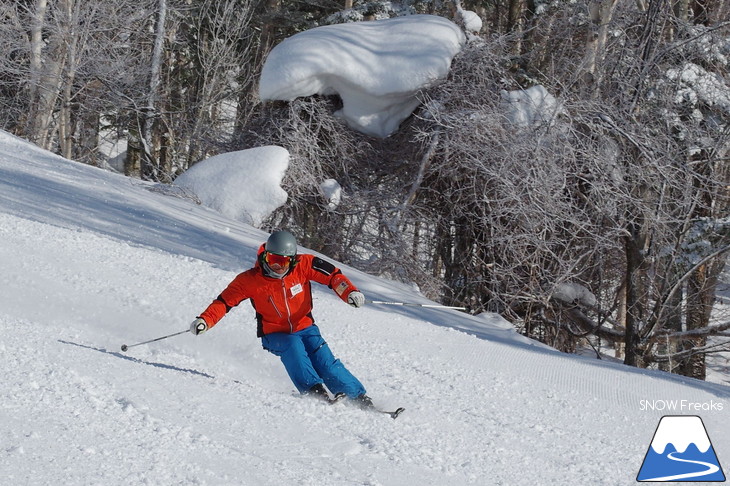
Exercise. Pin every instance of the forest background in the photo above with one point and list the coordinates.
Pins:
(606, 226)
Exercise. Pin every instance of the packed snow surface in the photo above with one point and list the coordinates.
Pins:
(93, 260)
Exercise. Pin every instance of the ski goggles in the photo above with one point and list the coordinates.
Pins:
(282, 261)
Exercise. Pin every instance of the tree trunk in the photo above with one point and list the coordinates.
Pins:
(700, 298)
(681, 9)
(635, 292)
(69, 18)
(673, 324)
(150, 162)
(45, 77)
(36, 57)
(601, 15)
(133, 160)
(717, 11)
(621, 317)
(268, 29)
(516, 23)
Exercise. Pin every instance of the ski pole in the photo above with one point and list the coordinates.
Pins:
(434, 306)
(125, 347)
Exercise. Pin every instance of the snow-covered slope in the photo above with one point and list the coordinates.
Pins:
(92, 260)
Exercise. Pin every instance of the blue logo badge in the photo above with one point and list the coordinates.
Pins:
(681, 451)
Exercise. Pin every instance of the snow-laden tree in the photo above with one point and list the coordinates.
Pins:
(603, 221)
(205, 61)
(161, 77)
(63, 63)
(658, 97)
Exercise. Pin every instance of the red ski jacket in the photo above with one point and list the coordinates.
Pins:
(281, 304)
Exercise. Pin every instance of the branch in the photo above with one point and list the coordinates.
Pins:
(596, 328)
(708, 349)
(587, 325)
(425, 161)
(677, 45)
(648, 334)
(693, 333)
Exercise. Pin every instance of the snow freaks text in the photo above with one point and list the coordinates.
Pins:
(680, 406)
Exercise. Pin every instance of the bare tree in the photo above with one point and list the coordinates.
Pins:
(206, 58)
(70, 70)
(223, 52)
(162, 76)
(150, 159)
(46, 69)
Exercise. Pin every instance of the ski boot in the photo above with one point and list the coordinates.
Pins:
(320, 392)
(363, 401)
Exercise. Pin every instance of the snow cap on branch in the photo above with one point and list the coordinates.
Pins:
(573, 293)
(470, 20)
(332, 192)
(376, 67)
(530, 107)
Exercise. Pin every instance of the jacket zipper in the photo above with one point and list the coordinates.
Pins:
(273, 304)
(286, 304)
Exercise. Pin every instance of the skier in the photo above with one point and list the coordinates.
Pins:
(280, 291)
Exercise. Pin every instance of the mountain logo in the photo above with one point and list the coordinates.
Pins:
(681, 451)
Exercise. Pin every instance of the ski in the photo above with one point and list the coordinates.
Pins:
(372, 408)
(394, 415)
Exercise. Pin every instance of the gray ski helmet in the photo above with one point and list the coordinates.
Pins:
(282, 243)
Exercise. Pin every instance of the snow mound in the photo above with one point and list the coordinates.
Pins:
(243, 185)
(376, 67)
(696, 84)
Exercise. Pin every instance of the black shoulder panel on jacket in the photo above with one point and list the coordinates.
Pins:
(322, 266)
(220, 299)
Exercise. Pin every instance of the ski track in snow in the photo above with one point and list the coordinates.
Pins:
(218, 410)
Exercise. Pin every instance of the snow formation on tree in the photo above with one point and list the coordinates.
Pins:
(375, 67)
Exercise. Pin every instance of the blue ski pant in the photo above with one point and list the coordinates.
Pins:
(309, 361)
